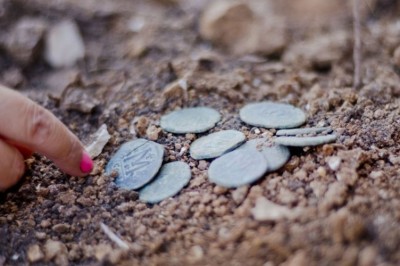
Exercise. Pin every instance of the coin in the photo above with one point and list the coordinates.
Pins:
(216, 144)
(305, 141)
(303, 131)
(238, 168)
(167, 183)
(272, 115)
(276, 155)
(136, 162)
(190, 120)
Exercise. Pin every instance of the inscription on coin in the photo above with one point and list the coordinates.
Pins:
(136, 162)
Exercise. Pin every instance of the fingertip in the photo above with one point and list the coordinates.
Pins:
(86, 164)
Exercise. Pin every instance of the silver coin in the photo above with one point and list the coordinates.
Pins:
(276, 155)
(136, 162)
(305, 141)
(190, 120)
(238, 168)
(167, 183)
(216, 144)
(303, 131)
(272, 115)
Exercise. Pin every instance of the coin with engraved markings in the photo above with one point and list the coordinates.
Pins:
(167, 183)
(305, 141)
(136, 163)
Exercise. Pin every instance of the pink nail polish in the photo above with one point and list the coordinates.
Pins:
(86, 163)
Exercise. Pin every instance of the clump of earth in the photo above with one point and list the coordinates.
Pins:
(129, 63)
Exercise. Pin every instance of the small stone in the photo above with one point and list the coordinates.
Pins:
(239, 194)
(61, 228)
(190, 120)
(100, 139)
(216, 144)
(305, 141)
(153, 132)
(275, 155)
(34, 254)
(238, 168)
(272, 115)
(334, 162)
(136, 162)
(168, 182)
(76, 98)
(202, 165)
(64, 45)
(303, 131)
(54, 248)
(141, 124)
(23, 42)
(176, 90)
(265, 210)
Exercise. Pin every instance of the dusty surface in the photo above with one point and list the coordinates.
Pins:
(332, 205)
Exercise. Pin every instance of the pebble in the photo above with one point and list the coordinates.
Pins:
(216, 144)
(275, 155)
(64, 45)
(169, 181)
(190, 120)
(265, 210)
(238, 168)
(137, 162)
(272, 115)
(34, 253)
(100, 139)
(24, 40)
(303, 131)
(305, 141)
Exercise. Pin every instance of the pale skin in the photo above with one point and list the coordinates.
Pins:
(26, 127)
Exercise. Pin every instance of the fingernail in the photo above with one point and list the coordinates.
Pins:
(86, 163)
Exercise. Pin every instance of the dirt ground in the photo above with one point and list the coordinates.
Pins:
(346, 194)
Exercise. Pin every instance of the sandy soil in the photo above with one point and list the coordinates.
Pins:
(345, 195)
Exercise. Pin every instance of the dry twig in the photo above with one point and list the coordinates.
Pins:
(357, 44)
(120, 243)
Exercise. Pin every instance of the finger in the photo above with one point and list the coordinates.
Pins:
(11, 165)
(26, 153)
(36, 129)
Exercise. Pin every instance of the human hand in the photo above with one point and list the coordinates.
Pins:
(26, 127)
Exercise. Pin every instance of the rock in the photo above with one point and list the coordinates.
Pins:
(265, 210)
(54, 249)
(238, 26)
(272, 115)
(24, 40)
(190, 120)
(168, 182)
(238, 168)
(176, 90)
(76, 98)
(305, 141)
(334, 162)
(64, 45)
(153, 132)
(34, 253)
(136, 162)
(239, 194)
(56, 82)
(100, 139)
(320, 52)
(140, 124)
(216, 144)
(61, 228)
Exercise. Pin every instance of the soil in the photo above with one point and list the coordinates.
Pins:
(348, 191)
